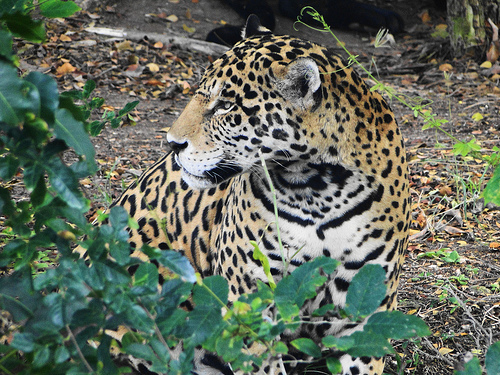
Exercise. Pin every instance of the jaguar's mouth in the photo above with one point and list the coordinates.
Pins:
(221, 172)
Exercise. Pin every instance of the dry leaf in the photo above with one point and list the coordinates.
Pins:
(444, 351)
(65, 38)
(446, 67)
(126, 45)
(424, 16)
(188, 29)
(452, 230)
(158, 45)
(65, 69)
(445, 190)
(486, 65)
(153, 67)
(172, 18)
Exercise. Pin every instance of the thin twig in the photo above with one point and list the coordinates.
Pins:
(80, 354)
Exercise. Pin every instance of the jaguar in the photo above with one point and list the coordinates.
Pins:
(335, 157)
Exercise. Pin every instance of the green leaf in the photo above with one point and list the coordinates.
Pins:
(471, 367)
(366, 291)
(206, 319)
(66, 185)
(146, 276)
(61, 355)
(6, 46)
(138, 319)
(491, 192)
(118, 218)
(73, 133)
(58, 8)
(6, 204)
(49, 94)
(203, 322)
(140, 351)
(176, 263)
(6, 6)
(41, 357)
(396, 325)
(24, 342)
(258, 255)
(39, 193)
(22, 25)
(17, 97)
(293, 290)
(372, 345)
(462, 148)
(170, 321)
(492, 361)
(216, 294)
(334, 365)
(54, 302)
(338, 343)
(307, 346)
(16, 290)
(229, 347)
(8, 166)
(88, 89)
(323, 309)
(128, 108)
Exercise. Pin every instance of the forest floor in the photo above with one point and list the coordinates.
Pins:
(451, 277)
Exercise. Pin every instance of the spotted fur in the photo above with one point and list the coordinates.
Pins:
(336, 159)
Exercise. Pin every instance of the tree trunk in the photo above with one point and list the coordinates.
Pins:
(468, 25)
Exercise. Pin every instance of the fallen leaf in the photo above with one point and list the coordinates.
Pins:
(486, 65)
(173, 18)
(126, 45)
(452, 230)
(65, 38)
(477, 116)
(494, 245)
(445, 67)
(424, 16)
(445, 190)
(154, 82)
(134, 70)
(188, 29)
(153, 67)
(65, 69)
(444, 351)
(158, 45)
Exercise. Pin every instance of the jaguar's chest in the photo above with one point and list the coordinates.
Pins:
(334, 216)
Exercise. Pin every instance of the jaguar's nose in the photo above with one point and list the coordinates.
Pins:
(177, 147)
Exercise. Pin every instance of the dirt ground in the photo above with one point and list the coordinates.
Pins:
(452, 273)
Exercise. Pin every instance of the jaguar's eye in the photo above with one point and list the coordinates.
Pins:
(222, 108)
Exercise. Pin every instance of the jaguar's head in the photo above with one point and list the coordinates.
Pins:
(269, 96)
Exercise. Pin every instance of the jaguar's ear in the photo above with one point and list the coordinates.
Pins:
(300, 82)
(253, 27)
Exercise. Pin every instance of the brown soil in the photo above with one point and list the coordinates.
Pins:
(458, 297)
